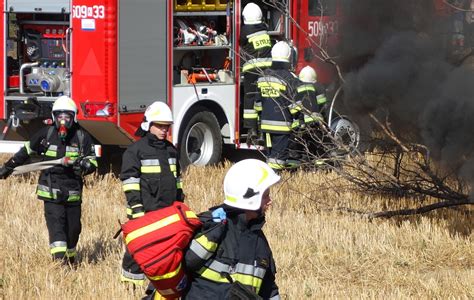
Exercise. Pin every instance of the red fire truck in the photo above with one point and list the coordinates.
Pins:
(115, 57)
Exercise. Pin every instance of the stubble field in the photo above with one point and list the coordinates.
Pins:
(320, 251)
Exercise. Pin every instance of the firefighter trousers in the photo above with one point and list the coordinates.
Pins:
(64, 227)
(306, 143)
(131, 271)
(250, 91)
(277, 150)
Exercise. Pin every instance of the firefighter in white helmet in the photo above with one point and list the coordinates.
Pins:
(276, 92)
(60, 187)
(309, 101)
(310, 96)
(150, 175)
(231, 254)
(255, 46)
(308, 76)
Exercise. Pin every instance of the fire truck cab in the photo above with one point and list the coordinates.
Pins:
(116, 57)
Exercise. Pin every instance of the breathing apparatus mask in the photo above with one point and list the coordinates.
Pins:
(64, 115)
(63, 121)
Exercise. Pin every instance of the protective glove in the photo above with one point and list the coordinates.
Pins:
(219, 215)
(8, 168)
(5, 172)
(82, 167)
(180, 196)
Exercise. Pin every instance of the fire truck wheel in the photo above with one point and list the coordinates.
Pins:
(346, 133)
(201, 140)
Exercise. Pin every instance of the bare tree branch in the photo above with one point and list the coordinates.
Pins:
(396, 169)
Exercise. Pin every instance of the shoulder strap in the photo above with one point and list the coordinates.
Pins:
(80, 136)
(50, 133)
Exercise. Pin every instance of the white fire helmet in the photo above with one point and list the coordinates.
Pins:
(281, 51)
(245, 183)
(308, 75)
(157, 112)
(252, 14)
(64, 104)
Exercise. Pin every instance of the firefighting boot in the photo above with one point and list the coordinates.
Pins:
(261, 139)
(71, 256)
(295, 159)
(58, 257)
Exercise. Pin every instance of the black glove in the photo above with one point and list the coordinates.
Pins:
(83, 167)
(180, 196)
(5, 172)
(7, 168)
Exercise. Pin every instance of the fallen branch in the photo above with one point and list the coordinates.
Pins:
(420, 210)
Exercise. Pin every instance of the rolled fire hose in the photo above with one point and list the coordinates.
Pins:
(43, 165)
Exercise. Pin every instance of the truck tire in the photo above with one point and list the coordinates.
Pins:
(200, 142)
(345, 132)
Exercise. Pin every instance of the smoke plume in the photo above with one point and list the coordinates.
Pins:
(397, 57)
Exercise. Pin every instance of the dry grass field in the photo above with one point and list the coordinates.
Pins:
(320, 252)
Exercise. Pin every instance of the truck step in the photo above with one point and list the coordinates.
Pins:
(10, 146)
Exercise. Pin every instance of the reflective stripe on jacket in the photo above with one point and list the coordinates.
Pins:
(309, 101)
(255, 42)
(276, 93)
(59, 184)
(236, 250)
(151, 176)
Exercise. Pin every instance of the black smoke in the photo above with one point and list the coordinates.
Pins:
(398, 59)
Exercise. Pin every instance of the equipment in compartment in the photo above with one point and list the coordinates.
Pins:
(190, 32)
(206, 75)
(202, 41)
(39, 65)
(196, 67)
(46, 47)
(202, 75)
(198, 5)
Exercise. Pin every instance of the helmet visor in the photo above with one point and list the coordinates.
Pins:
(161, 123)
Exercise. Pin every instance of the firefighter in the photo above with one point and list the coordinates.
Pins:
(276, 92)
(307, 116)
(230, 256)
(310, 97)
(60, 187)
(256, 48)
(150, 175)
